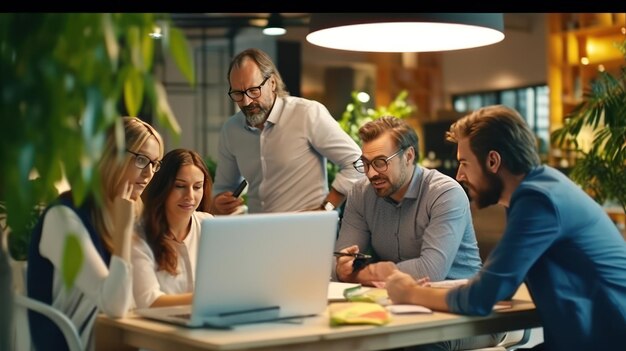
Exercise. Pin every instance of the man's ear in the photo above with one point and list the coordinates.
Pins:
(493, 161)
(410, 158)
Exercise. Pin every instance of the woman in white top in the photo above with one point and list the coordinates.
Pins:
(79, 255)
(165, 251)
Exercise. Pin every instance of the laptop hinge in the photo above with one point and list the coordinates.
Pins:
(227, 319)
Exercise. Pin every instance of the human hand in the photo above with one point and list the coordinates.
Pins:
(225, 203)
(400, 285)
(123, 220)
(345, 269)
(374, 274)
(381, 270)
(425, 281)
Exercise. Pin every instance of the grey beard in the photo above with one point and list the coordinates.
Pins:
(255, 119)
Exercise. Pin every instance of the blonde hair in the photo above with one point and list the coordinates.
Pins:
(112, 168)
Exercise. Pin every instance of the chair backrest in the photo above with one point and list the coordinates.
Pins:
(22, 304)
(511, 341)
(515, 339)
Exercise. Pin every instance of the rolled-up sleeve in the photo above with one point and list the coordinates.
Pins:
(336, 145)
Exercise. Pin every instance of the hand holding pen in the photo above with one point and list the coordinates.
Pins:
(356, 255)
(359, 260)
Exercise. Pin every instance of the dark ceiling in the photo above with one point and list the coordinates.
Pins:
(290, 19)
(235, 20)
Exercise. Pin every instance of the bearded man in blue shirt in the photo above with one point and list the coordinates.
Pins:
(558, 240)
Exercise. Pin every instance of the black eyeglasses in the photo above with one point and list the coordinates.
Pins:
(380, 164)
(253, 93)
(142, 161)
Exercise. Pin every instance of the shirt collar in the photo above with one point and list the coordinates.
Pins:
(272, 119)
(414, 186)
(276, 112)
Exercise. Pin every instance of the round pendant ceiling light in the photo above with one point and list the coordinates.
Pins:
(405, 32)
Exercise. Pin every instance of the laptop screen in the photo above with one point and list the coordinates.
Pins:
(258, 263)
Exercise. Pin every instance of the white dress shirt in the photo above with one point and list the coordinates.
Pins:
(149, 283)
(285, 163)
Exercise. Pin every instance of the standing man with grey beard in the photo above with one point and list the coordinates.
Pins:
(280, 144)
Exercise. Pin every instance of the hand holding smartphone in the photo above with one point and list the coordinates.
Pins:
(240, 188)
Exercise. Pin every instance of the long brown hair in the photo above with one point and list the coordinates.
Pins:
(155, 195)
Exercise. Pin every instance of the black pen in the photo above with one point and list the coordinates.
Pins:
(355, 255)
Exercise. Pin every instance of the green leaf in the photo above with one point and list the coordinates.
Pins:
(134, 44)
(112, 46)
(65, 77)
(133, 91)
(356, 114)
(72, 260)
(147, 51)
(599, 170)
(179, 48)
(165, 112)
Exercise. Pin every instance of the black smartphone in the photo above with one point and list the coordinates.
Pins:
(240, 188)
(360, 263)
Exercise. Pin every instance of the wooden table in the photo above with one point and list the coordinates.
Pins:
(313, 333)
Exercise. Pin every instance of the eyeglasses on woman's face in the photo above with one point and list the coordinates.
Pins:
(380, 164)
(142, 161)
(252, 93)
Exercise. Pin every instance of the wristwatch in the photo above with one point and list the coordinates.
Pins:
(328, 206)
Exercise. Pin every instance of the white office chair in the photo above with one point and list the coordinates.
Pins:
(22, 341)
(512, 340)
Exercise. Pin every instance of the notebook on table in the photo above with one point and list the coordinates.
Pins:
(258, 267)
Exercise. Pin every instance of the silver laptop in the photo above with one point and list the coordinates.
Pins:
(258, 267)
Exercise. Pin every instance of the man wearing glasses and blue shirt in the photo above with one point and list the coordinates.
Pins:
(408, 217)
(280, 144)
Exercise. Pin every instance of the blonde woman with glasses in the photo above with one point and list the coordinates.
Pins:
(102, 230)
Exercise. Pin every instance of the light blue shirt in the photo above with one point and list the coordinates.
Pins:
(429, 233)
(572, 257)
(285, 163)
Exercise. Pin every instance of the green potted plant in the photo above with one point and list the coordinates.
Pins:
(66, 78)
(356, 114)
(600, 167)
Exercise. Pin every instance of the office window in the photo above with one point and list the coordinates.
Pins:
(531, 102)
